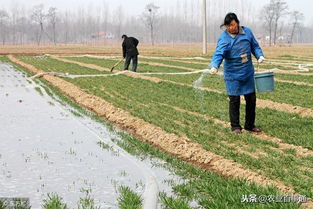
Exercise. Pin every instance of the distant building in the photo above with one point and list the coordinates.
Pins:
(102, 35)
(281, 39)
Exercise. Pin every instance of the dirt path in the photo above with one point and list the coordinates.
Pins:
(180, 147)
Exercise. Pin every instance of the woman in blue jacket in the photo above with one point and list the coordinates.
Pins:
(235, 46)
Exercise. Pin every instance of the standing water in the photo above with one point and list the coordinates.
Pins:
(46, 149)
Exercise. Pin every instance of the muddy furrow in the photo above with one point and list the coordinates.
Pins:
(180, 147)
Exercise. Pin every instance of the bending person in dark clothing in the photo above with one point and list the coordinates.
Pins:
(130, 52)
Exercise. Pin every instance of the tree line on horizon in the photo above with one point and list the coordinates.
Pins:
(273, 24)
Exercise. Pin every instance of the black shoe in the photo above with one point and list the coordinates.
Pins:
(236, 130)
(254, 130)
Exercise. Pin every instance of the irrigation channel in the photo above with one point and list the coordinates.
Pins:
(45, 148)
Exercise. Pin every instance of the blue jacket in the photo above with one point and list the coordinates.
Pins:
(237, 54)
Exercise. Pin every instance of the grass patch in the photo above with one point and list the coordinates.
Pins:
(176, 63)
(53, 201)
(174, 203)
(51, 65)
(128, 199)
(38, 89)
(108, 63)
(284, 92)
(299, 78)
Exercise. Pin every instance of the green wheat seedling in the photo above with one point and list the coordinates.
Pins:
(53, 201)
(128, 199)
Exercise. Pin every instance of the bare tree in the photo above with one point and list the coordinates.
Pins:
(280, 9)
(22, 28)
(281, 28)
(3, 25)
(13, 23)
(105, 17)
(52, 18)
(38, 17)
(267, 15)
(271, 14)
(22, 25)
(296, 18)
(150, 14)
(118, 19)
(66, 25)
(178, 23)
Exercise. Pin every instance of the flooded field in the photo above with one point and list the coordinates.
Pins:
(45, 148)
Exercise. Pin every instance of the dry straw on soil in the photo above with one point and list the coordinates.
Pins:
(173, 50)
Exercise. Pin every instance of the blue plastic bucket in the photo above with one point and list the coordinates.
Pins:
(264, 82)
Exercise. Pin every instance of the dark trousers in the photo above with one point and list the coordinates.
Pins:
(234, 111)
(134, 60)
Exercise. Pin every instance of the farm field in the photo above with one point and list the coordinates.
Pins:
(294, 53)
(172, 112)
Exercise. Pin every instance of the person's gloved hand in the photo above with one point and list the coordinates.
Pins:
(261, 59)
(213, 70)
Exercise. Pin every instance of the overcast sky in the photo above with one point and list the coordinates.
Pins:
(137, 6)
